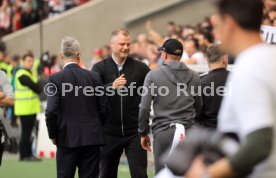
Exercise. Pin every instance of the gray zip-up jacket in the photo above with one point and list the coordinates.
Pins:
(181, 103)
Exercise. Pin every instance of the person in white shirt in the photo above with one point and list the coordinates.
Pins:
(249, 109)
(6, 99)
(191, 55)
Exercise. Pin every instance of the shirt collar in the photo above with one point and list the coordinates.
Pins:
(69, 64)
(118, 65)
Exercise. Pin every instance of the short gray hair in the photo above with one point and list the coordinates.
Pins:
(70, 47)
(214, 53)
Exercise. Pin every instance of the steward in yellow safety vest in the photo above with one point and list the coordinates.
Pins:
(26, 97)
(26, 100)
(26, 105)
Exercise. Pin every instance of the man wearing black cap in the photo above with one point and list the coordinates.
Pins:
(175, 110)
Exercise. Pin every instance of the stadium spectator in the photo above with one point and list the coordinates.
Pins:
(80, 2)
(266, 20)
(97, 56)
(16, 17)
(191, 53)
(171, 28)
(269, 4)
(53, 67)
(272, 15)
(56, 7)
(29, 15)
(106, 51)
(152, 35)
(152, 56)
(136, 52)
(68, 4)
(5, 18)
(205, 39)
(18, 14)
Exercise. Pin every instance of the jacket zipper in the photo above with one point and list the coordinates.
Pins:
(122, 119)
(122, 116)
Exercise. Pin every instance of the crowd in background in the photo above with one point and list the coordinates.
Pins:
(270, 13)
(195, 40)
(18, 14)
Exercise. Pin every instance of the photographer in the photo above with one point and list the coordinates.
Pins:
(249, 112)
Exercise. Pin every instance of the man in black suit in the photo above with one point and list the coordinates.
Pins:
(121, 127)
(215, 78)
(74, 115)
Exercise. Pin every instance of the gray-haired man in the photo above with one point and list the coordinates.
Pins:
(211, 82)
(74, 117)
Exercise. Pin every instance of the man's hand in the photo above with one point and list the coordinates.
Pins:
(197, 168)
(148, 25)
(2, 95)
(7, 101)
(219, 169)
(145, 143)
(119, 82)
(54, 141)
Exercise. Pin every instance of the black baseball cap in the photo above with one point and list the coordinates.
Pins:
(172, 46)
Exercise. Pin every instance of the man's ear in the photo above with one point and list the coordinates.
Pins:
(111, 43)
(229, 23)
(165, 55)
(78, 55)
(225, 60)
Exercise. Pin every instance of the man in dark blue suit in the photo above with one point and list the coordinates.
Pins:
(74, 115)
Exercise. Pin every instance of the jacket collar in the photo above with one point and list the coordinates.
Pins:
(71, 65)
(126, 62)
(218, 70)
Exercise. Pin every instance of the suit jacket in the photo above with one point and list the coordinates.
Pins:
(211, 104)
(73, 118)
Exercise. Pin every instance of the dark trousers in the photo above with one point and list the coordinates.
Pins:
(13, 117)
(86, 159)
(162, 144)
(27, 125)
(112, 151)
(1, 152)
